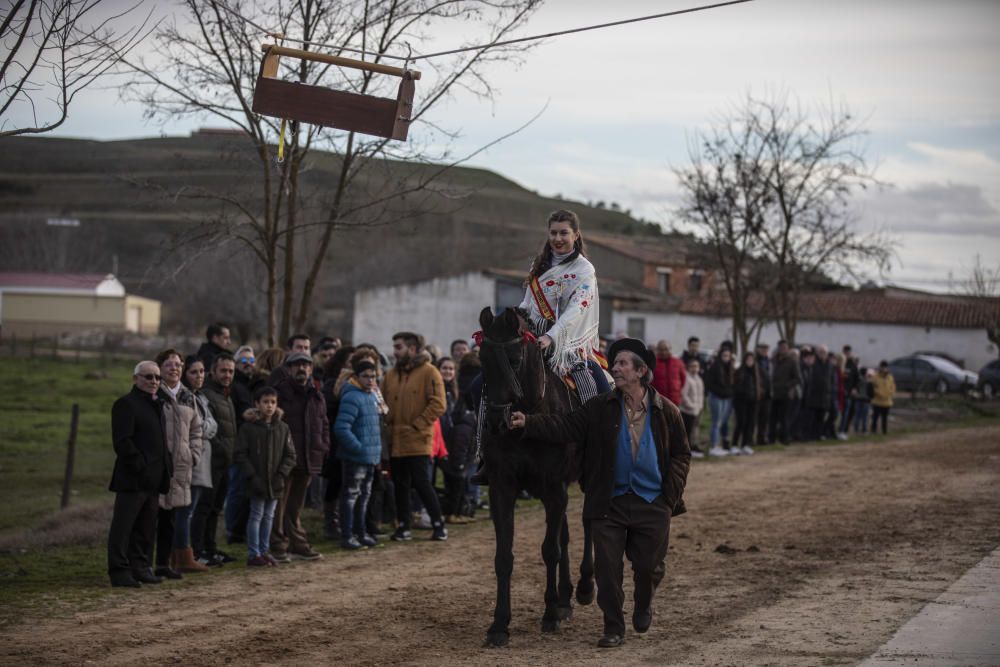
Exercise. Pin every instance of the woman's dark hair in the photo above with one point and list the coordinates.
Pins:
(542, 261)
(454, 382)
(337, 362)
(188, 362)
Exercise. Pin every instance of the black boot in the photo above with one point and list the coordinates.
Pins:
(480, 477)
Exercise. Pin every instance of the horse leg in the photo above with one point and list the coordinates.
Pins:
(565, 583)
(502, 497)
(555, 510)
(585, 586)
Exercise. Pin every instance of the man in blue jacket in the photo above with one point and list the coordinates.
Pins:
(635, 459)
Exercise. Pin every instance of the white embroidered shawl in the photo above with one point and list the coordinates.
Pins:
(569, 293)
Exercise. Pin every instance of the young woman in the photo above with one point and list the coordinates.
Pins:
(746, 397)
(719, 379)
(561, 300)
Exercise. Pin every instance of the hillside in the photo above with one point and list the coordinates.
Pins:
(134, 201)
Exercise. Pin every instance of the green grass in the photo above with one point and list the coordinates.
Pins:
(36, 398)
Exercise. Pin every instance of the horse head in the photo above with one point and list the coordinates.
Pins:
(510, 364)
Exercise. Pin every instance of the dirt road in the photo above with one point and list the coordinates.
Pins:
(833, 548)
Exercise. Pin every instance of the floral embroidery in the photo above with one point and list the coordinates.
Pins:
(584, 304)
(550, 283)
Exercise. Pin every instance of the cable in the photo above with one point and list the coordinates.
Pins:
(481, 47)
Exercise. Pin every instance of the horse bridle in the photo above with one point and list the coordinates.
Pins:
(510, 374)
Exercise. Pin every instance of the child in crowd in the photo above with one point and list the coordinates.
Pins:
(862, 400)
(358, 430)
(266, 455)
(692, 404)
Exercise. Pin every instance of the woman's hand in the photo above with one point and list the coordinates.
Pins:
(544, 342)
(517, 419)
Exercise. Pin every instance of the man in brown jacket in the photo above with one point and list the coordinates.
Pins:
(414, 392)
(634, 462)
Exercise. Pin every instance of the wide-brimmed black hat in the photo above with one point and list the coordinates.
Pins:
(631, 345)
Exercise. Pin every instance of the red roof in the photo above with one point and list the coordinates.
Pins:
(869, 306)
(88, 281)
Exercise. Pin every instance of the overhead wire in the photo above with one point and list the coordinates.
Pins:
(479, 47)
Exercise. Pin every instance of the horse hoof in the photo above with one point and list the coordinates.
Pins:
(584, 596)
(565, 613)
(497, 639)
(550, 625)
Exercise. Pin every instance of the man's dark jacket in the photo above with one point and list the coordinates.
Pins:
(596, 425)
(224, 442)
(208, 352)
(241, 394)
(143, 464)
(305, 414)
(818, 392)
(786, 376)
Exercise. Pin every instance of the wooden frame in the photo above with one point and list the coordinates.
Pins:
(368, 114)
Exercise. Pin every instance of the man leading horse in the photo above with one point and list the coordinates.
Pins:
(634, 458)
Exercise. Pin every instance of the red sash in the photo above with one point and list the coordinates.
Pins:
(543, 306)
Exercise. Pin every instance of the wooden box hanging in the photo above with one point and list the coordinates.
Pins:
(368, 114)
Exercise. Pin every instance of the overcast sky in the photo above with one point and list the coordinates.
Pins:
(623, 102)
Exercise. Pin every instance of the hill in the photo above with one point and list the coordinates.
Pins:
(138, 217)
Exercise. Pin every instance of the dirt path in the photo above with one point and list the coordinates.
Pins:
(851, 540)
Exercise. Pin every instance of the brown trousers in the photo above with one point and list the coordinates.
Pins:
(287, 534)
(640, 531)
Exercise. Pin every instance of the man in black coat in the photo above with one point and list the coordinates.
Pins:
(142, 472)
(634, 461)
(216, 342)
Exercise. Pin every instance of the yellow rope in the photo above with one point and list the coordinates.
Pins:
(281, 142)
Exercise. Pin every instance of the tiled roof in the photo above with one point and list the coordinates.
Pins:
(650, 250)
(82, 281)
(870, 306)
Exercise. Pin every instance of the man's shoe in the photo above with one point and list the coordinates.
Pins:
(697, 454)
(168, 573)
(746, 450)
(258, 561)
(223, 557)
(209, 560)
(718, 451)
(610, 641)
(124, 580)
(402, 535)
(352, 544)
(305, 554)
(440, 533)
(280, 557)
(641, 620)
(146, 576)
(368, 540)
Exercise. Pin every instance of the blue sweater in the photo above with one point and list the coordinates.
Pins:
(358, 427)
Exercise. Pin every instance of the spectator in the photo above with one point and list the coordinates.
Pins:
(241, 392)
(746, 394)
(336, 373)
(142, 472)
(693, 352)
(269, 360)
(786, 388)
(201, 473)
(883, 389)
(852, 380)
(692, 404)
(803, 416)
(719, 389)
(766, 394)
(305, 413)
(327, 349)
(183, 433)
(358, 431)
(216, 343)
(459, 348)
(862, 400)
(415, 394)
(265, 452)
(296, 343)
(669, 374)
(470, 391)
(206, 515)
(820, 393)
(838, 401)
(454, 474)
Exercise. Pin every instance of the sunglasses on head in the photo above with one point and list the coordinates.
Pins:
(150, 377)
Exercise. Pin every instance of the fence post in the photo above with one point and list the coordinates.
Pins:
(70, 456)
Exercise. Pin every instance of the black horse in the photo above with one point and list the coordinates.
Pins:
(516, 377)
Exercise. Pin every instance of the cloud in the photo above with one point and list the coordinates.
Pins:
(947, 209)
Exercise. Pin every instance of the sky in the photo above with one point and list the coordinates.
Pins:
(621, 106)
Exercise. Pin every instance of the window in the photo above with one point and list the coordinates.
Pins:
(637, 327)
(694, 282)
(663, 279)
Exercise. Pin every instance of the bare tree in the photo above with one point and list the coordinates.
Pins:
(208, 69)
(725, 198)
(984, 284)
(771, 189)
(54, 50)
(816, 164)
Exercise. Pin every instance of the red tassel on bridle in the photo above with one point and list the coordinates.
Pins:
(478, 337)
(528, 337)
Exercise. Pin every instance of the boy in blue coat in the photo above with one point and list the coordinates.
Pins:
(359, 447)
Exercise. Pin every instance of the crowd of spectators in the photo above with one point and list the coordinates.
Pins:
(256, 438)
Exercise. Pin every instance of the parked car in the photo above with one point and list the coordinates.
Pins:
(943, 355)
(919, 372)
(989, 379)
